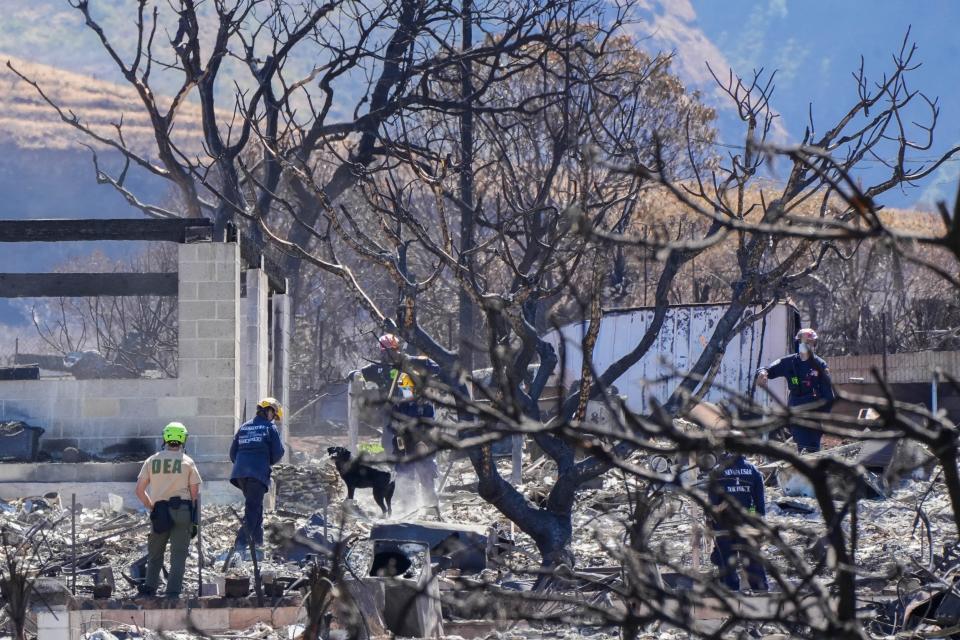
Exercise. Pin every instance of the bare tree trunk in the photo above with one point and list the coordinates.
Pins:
(466, 313)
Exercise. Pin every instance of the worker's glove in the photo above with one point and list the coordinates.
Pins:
(194, 518)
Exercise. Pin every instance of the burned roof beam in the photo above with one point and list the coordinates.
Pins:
(254, 258)
(80, 285)
(73, 230)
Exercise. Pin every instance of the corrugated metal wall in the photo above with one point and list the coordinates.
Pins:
(686, 331)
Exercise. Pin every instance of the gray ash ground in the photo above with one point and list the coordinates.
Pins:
(891, 539)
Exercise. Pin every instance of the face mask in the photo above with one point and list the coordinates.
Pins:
(803, 349)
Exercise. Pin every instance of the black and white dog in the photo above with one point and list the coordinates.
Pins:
(361, 476)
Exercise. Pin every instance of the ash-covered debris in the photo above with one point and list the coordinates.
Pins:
(258, 631)
(307, 486)
(904, 565)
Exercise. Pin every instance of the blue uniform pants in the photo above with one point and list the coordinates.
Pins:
(253, 492)
(725, 553)
(806, 439)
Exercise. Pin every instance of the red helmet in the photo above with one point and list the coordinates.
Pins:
(807, 331)
(389, 342)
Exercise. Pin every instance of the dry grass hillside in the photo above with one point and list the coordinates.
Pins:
(27, 122)
(659, 209)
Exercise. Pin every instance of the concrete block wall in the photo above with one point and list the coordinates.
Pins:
(254, 357)
(106, 416)
(209, 347)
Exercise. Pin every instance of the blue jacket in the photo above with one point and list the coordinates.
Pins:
(808, 380)
(256, 447)
(741, 481)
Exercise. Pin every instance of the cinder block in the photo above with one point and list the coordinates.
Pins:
(186, 375)
(188, 253)
(164, 387)
(211, 447)
(67, 407)
(141, 408)
(227, 310)
(186, 330)
(223, 426)
(173, 407)
(220, 329)
(215, 368)
(154, 426)
(130, 472)
(219, 251)
(198, 310)
(197, 272)
(187, 291)
(101, 408)
(117, 388)
(228, 348)
(201, 425)
(211, 386)
(218, 291)
(198, 348)
(228, 272)
(220, 406)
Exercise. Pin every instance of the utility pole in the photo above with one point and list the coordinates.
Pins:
(467, 315)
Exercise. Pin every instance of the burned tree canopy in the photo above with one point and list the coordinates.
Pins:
(530, 161)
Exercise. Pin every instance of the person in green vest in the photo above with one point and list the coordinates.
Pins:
(169, 487)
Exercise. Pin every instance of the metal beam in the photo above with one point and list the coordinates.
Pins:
(79, 285)
(181, 230)
(69, 230)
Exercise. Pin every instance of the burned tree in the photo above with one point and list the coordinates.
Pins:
(110, 336)
(572, 126)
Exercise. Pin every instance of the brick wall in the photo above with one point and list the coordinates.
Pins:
(100, 416)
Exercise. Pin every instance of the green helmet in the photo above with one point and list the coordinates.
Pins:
(175, 432)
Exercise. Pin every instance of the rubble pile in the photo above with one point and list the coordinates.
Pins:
(904, 547)
(906, 543)
(308, 486)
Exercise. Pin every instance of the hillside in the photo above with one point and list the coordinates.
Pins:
(46, 173)
(52, 32)
(27, 122)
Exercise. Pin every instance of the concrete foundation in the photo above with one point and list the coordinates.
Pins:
(206, 615)
(92, 482)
